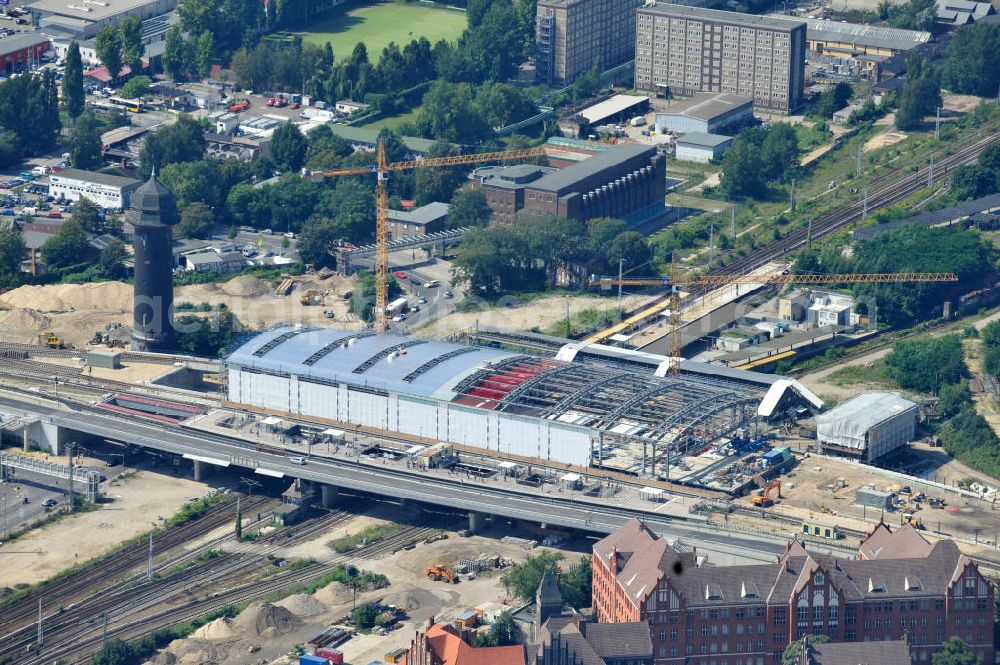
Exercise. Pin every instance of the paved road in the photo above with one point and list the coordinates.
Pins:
(722, 546)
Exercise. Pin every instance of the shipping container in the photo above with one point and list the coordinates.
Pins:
(306, 659)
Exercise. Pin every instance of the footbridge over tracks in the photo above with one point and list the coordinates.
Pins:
(479, 498)
(11, 464)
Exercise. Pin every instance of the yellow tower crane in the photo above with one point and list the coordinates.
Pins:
(773, 279)
(381, 170)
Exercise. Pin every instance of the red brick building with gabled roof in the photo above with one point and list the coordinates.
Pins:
(901, 589)
(442, 644)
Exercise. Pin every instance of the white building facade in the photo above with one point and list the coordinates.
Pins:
(111, 192)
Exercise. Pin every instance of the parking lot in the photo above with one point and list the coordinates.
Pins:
(21, 502)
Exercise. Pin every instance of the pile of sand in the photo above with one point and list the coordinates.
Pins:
(190, 652)
(116, 296)
(220, 629)
(246, 286)
(24, 319)
(266, 620)
(334, 594)
(303, 605)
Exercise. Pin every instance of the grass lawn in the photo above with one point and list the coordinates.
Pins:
(393, 122)
(376, 23)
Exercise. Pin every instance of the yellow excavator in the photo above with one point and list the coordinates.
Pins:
(50, 341)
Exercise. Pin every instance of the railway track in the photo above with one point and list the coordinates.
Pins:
(140, 617)
(837, 219)
(113, 569)
(134, 595)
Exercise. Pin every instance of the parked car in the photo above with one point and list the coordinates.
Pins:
(48, 503)
(55, 214)
(447, 294)
(399, 318)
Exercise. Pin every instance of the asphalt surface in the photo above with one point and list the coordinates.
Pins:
(722, 546)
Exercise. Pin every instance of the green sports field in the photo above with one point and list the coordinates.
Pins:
(376, 23)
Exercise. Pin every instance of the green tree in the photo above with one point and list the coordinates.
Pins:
(239, 523)
(780, 150)
(87, 214)
(921, 93)
(792, 651)
(438, 184)
(111, 260)
(832, 100)
(925, 365)
(501, 104)
(364, 615)
(989, 158)
(132, 48)
(288, 147)
(108, 47)
(326, 149)
(953, 397)
(317, 237)
(206, 337)
(971, 181)
(576, 584)
(971, 58)
(197, 220)
(183, 141)
(85, 144)
(175, 61)
(742, 174)
(72, 86)
(203, 50)
(449, 114)
(522, 579)
(12, 251)
(68, 247)
(587, 84)
(29, 110)
(630, 247)
(136, 87)
(468, 208)
(194, 182)
(955, 652)
(504, 631)
(114, 652)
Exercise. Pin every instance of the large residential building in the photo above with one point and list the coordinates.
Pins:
(747, 615)
(627, 182)
(571, 36)
(683, 50)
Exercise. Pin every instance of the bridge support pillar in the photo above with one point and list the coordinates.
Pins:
(328, 495)
(199, 470)
(25, 439)
(475, 521)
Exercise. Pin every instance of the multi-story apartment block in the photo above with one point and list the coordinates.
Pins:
(682, 50)
(747, 615)
(571, 36)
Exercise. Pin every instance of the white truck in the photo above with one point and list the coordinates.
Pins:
(637, 121)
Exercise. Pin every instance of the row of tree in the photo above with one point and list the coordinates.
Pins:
(121, 44)
(544, 251)
(912, 248)
(29, 112)
(970, 65)
(980, 179)
(921, 94)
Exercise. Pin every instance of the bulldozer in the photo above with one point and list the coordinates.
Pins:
(762, 499)
(311, 298)
(50, 341)
(439, 572)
